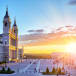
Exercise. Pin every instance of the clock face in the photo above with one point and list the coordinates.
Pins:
(5, 23)
(14, 31)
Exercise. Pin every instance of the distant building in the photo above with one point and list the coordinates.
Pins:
(8, 40)
(20, 53)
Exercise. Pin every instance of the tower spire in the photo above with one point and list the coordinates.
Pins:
(15, 20)
(14, 28)
(6, 15)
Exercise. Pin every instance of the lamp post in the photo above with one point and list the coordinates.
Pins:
(57, 68)
(5, 60)
(70, 63)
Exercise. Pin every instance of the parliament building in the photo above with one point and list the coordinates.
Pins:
(9, 40)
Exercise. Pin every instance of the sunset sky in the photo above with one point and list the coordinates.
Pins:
(36, 18)
(39, 14)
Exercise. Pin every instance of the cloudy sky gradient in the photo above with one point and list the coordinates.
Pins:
(37, 18)
(39, 14)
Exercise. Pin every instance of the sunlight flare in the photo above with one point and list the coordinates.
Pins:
(71, 48)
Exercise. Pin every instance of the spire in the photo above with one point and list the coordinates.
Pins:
(14, 28)
(14, 21)
(6, 15)
(7, 11)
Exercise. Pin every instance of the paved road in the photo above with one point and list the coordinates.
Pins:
(32, 69)
(26, 68)
(38, 66)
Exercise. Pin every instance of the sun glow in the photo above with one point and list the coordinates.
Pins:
(71, 48)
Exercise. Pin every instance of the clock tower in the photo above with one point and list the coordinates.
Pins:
(6, 36)
(6, 23)
(9, 39)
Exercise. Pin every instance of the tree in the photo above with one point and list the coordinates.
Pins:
(3, 69)
(47, 70)
(59, 70)
(8, 70)
(53, 70)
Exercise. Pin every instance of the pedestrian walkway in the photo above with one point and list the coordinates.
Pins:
(25, 68)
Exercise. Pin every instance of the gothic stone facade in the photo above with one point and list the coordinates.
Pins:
(8, 40)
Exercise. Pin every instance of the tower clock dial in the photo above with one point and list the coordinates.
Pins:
(5, 23)
(14, 31)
